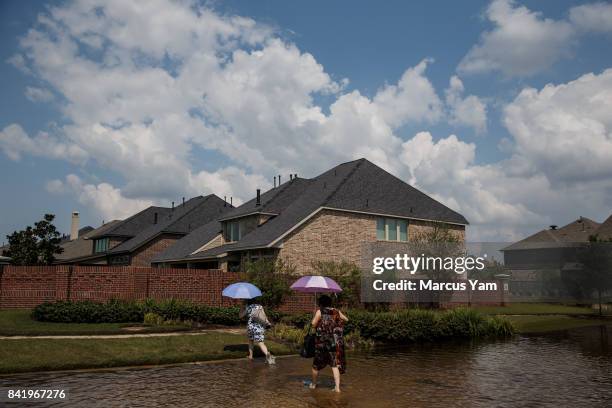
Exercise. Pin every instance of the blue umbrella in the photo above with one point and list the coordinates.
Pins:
(241, 290)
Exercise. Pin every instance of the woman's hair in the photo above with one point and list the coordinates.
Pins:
(325, 301)
(251, 301)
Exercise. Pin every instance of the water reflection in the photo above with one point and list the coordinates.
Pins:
(573, 368)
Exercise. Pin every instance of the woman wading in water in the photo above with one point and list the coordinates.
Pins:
(329, 341)
(256, 328)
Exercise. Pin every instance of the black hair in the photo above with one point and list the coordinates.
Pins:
(251, 301)
(325, 301)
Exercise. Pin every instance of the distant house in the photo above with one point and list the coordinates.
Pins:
(81, 246)
(538, 263)
(137, 239)
(328, 217)
(551, 248)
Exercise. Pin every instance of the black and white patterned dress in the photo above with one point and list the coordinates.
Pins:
(255, 331)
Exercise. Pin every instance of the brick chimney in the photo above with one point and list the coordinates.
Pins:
(74, 226)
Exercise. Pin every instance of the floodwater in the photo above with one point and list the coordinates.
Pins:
(572, 368)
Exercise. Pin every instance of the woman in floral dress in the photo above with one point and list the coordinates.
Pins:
(255, 330)
(329, 341)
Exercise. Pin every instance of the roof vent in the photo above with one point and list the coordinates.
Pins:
(154, 218)
(258, 199)
(553, 227)
(274, 181)
(290, 177)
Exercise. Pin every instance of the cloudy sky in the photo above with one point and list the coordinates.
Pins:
(500, 109)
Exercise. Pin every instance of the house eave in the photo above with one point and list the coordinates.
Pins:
(246, 215)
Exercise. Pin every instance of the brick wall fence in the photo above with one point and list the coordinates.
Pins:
(28, 286)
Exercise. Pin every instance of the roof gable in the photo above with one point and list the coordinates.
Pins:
(372, 189)
(604, 231)
(184, 219)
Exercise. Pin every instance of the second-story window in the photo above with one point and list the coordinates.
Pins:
(391, 229)
(233, 231)
(101, 245)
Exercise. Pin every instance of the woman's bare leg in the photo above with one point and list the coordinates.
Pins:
(315, 375)
(336, 378)
(263, 348)
(250, 349)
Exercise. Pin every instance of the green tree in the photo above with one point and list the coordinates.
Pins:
(271, 277)
(595, 275)
(438, 241)
(35, 246)
(348, 276)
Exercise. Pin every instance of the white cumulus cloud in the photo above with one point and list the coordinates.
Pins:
(469, 111)
(595, 17)
(151, 91)
(521, 43)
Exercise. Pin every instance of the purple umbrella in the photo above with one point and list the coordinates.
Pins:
(313, 284)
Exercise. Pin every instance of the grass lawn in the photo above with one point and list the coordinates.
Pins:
(62, 354)
(541, 324)
(19, 323)
(534, 309)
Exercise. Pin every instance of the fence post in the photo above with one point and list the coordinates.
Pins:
(69, 283)
(503, 280)
(1, 276)
(147, 284)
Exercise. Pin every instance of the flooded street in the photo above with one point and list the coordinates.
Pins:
(573, 368)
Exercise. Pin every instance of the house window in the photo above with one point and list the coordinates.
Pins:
(391, 229)
(233, 231)
(381, 233)
(101, 245)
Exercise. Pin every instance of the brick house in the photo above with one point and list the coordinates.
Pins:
(137, 239)
(553, 249)
(328, 217)
(82, 245)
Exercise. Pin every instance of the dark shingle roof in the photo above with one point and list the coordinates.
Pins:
(83, 245)
(355, 186)
(136, 223)
(184, 219)
(604, 231)
(273, 201)
(190, 242)
(576, 231)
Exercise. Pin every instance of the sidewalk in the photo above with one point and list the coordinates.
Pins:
(127, 336)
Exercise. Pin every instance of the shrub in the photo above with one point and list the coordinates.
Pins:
(297, 320)
(288, 334)
(115, 311)
(412, 325)
(295, 337)
(88, 312)
(153, 319)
